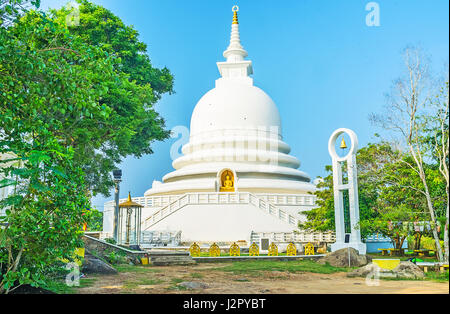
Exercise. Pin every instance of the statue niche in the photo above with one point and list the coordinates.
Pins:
(227, 181)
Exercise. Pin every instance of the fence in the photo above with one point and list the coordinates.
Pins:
(297, 237)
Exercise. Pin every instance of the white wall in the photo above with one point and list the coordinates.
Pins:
(295, 210)
(220, 223)
(108, 216)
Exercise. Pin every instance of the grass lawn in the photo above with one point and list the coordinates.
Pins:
(134, 283)
(59, 286)
(147, 275)
(430, 276)
(125, 268)
(437, 276)
(257, 266)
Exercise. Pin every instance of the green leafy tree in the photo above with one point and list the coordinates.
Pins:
(51, 84)
(133, 124)
(398, 203)
(390, 222)
(370, 162)
(321, 218)
(436, 134)
(95, 220)
(405, 116)
(71, 107)
(43, 218)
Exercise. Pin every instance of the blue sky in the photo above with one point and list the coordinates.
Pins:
(317, 59)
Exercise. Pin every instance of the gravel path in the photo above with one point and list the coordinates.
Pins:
(165, 280)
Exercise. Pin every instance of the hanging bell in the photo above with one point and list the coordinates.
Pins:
(343, 144)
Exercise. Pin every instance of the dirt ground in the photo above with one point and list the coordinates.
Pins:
(164, 280)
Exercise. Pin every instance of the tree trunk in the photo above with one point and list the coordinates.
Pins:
(446, 230)
(439, 253)
(11, 268)
(400, 252)
(397, 241)
(418, 237)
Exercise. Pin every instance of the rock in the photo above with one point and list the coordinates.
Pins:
(165, 258)
(135, 248)
(28, 289)
(409, 270)
(192, 285)
(403, 270)
(94, 265)
(340, 258)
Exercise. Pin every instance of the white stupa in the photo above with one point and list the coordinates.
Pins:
(236, 177)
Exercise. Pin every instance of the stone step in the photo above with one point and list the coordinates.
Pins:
(173, 263)
(170, 258)
(167, 263)
(168, 253)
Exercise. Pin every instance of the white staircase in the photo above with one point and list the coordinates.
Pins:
(218, 198)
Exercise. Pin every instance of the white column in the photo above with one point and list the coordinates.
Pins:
(339, 188)
(354, 200)
(339, 202)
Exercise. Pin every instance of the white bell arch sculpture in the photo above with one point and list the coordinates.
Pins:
(339, 187)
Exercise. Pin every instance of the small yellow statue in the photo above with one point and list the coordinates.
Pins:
(253, 250)
(273, 249)
(227, 182)
(194, 250)
(309, 249)
(214, 250)
(235, 250)
(291, 250)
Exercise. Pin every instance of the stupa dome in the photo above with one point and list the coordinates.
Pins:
(235, 106)
(235, 129)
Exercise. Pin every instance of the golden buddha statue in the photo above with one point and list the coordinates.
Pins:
(227, 184)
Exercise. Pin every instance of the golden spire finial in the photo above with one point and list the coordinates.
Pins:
(343, 144)
(235, 10)
(129, 197)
